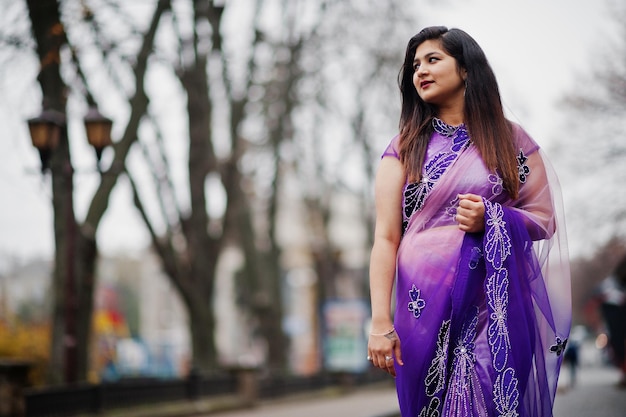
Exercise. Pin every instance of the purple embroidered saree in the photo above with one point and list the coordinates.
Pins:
(483, 318)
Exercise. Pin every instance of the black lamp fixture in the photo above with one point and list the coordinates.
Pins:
(46, 129)
(45, 132)
(98, 130)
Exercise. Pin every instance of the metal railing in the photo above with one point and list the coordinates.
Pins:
(97, 398)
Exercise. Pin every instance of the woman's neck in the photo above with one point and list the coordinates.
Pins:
(451, 120)
(451, 116)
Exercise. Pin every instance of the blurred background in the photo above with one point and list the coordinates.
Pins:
(186, 186)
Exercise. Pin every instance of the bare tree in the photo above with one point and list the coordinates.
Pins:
(352, 99)
(192, 242)
(250, 96)
(75, 243)
(590, 150)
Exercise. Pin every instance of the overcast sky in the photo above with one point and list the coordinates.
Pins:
(536, 48)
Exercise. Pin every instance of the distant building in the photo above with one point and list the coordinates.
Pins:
(156, 341)
(25, 290)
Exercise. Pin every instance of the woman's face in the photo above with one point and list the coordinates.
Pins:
(436, 77)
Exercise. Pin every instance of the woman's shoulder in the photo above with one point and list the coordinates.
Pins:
(522, 139)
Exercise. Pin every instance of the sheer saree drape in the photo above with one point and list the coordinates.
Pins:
(483, 318)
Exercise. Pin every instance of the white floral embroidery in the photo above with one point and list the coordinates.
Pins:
(452, 207)
(506, 394)
(496, 182)
(522, 168)
(497, 241)
(432, 409)
(559, 346)
(417, 303)
(436, 377)
(465, 394)
(498, 299)
(498, 248)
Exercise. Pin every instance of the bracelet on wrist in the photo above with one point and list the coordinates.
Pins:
(387, 333)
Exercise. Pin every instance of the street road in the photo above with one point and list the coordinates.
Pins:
(595, 395)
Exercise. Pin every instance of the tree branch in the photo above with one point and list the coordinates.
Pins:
(139, 105)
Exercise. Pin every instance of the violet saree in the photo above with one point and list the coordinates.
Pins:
(483, 318)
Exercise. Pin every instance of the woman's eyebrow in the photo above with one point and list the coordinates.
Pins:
(416, 59)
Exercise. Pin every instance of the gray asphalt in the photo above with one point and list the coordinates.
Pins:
(594, 395)
(378, 401)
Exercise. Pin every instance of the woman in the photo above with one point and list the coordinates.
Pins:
(466, 221)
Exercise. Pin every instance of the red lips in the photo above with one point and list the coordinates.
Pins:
(425, 84)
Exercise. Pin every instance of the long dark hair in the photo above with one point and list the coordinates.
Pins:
(484, 117)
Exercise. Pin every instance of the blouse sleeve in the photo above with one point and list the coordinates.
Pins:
(393, 148)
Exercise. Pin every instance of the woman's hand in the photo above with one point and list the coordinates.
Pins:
(470, 214)
(383, 349)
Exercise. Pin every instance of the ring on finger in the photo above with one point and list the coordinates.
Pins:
(388, 358)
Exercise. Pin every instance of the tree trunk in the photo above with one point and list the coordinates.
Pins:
(50, 38)
(202, 250)
(202, 329)
(86, 257)
(64, 344)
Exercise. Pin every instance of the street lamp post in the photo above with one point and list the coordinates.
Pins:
(46, 131)
(98, 130)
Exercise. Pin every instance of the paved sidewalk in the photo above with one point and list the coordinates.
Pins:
(595, 395)
(372, 401)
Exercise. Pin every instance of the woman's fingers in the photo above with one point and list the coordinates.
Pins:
(470, 197)
(397, 353)
(384, 362)
(389, 367)
(384, 351)
(470, 214)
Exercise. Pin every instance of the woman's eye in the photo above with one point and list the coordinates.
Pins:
(432, 59)
(416, 67)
